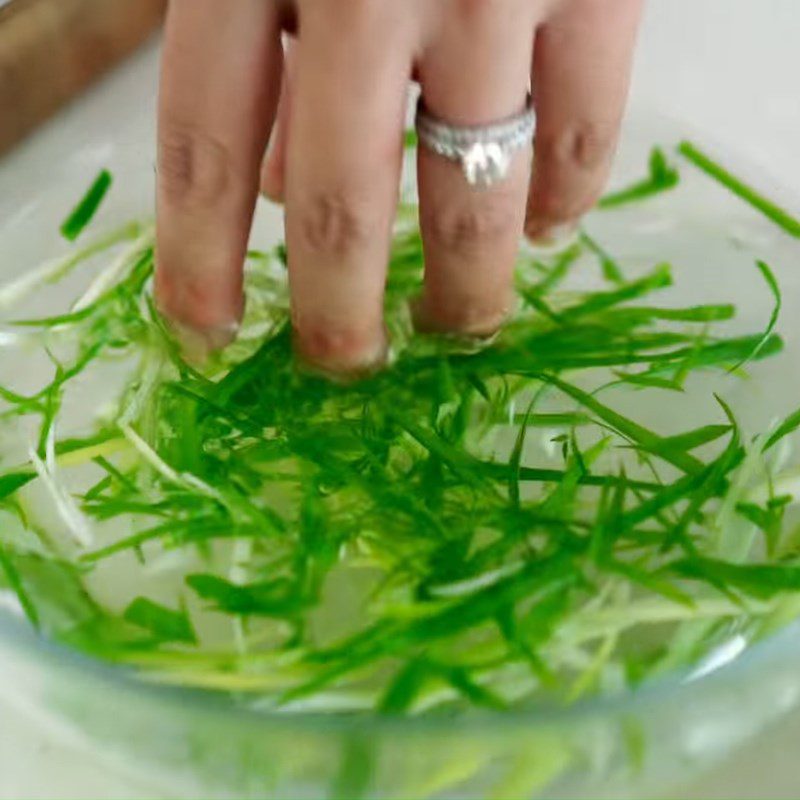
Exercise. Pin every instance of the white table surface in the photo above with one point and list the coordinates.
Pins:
(727, 66)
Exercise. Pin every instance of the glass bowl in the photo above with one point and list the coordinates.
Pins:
(637, 744)
(185, 743)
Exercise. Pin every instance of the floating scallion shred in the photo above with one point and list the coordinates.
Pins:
(473, 527)
(662, 178)
(780, 216)
(84, 212)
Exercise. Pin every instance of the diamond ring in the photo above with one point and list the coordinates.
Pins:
(485, 152)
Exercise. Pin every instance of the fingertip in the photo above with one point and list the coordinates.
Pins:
(197, 346)
(272, 182)
(341, 352)
(551, 236)
(463, 320)
(273, 168)
(199, 328)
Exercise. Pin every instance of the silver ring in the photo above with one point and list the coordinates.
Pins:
(484, 151)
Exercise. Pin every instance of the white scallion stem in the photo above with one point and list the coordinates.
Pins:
(56, 269)
(150, 455)
(112, 274)
(75, 521)
(165, 470)
(483, 581)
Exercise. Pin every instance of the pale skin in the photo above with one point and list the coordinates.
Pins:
(333, 114)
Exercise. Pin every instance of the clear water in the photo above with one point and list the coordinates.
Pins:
(710, 238)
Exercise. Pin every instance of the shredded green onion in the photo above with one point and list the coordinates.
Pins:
(84, 212)
(769, 209)
(473, 527)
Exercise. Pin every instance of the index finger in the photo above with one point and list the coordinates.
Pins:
(219, 89)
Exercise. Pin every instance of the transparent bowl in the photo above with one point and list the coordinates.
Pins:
(184, 743)
(642, 743)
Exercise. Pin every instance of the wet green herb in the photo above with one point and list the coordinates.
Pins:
(84, 212)
(663, 177)
(472, 527)
(769, 209)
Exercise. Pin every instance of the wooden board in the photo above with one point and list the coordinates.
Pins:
(50, 50)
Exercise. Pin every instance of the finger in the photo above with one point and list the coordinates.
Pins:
(342, 177)
(582, 64)
(476, 73)
(274, 169)
(219, 89)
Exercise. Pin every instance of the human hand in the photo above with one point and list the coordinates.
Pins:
(337, 150)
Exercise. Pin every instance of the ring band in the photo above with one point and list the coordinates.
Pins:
(484, 151)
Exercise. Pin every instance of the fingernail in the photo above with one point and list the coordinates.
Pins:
(552, 237)
(197, 346)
